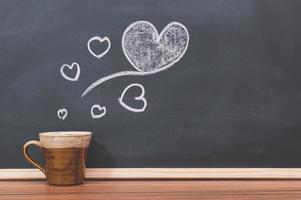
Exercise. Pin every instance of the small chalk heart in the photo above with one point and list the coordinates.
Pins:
(62, 113)
(71, 67)
(101, 41)
(98, 111)
(138, 98)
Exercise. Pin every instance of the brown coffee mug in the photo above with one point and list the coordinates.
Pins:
(65, 154)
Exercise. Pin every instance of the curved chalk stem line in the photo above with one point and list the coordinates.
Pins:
(115, 75)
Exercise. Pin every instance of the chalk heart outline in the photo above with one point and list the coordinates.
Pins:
(138, 98)
(156, 42)
(70, 67)
(102, 110)
(62, 113)
(101, 40)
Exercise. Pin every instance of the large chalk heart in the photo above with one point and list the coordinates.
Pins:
(151, 52)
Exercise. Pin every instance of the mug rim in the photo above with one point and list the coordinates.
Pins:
(65, 133)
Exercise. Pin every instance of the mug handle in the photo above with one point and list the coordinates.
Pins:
(28, 157)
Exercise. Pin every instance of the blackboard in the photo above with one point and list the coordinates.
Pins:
(231, 98)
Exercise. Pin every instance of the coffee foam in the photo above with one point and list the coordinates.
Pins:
(66, 139)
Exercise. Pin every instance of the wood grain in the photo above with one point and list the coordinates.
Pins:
(165, 173)
(154, 189)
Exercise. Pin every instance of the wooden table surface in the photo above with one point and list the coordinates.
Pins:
(154, 189)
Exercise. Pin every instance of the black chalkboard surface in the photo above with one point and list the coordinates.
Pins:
(222, 80)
